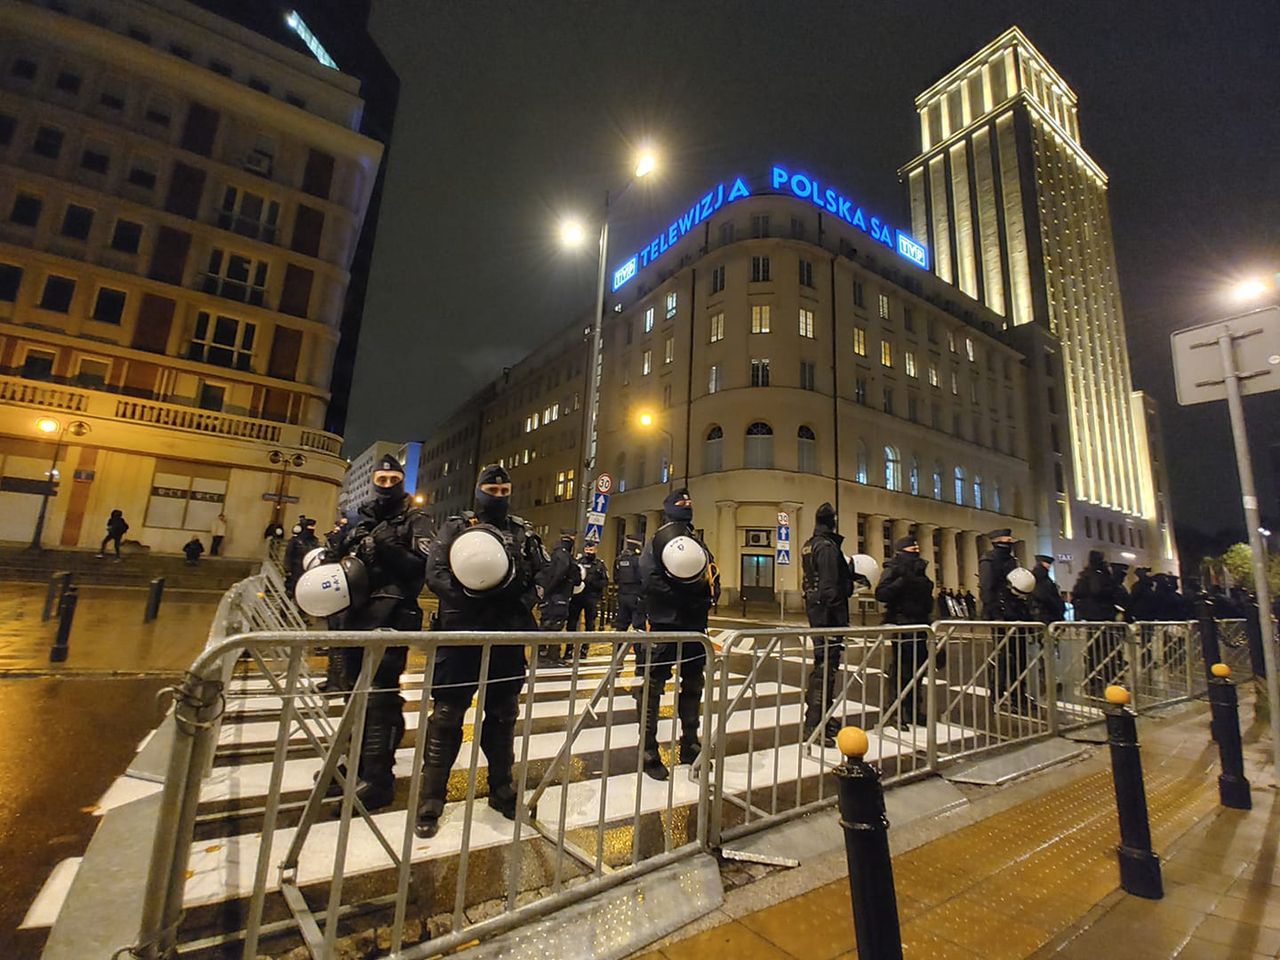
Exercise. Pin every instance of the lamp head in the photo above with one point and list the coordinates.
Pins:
(646, 163)
(572, 234)
(645, 419)
(47, 425)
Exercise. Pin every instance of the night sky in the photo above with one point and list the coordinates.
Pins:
(512, 114)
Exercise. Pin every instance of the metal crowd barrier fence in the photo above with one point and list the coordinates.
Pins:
(1233, 643)
(589, 818)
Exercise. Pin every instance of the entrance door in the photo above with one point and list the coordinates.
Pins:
(757, 577)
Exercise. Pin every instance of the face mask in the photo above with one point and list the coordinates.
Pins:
(491, 509)
(683, 514)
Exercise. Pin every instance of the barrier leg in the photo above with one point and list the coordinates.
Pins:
(1139, 865)
(1233, 788)
(153, 600)
(58, 584)
(66, 615)
(866, 845)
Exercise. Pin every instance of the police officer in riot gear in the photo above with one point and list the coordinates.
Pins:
(585, 602)
(1001, 602)
(456, 679)
(626, 574)
(907, 594)
(676, 601)
(556, 581)
(391, 538)
(828, 585)
(1047, 604)
(300, 544)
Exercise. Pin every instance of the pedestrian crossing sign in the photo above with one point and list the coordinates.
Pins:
(594, 532)
(784, 554)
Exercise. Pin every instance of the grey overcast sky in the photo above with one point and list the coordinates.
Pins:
(513, 113)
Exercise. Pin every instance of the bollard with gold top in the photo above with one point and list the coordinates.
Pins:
(866, 845)
(1139, 865)
(1233, 788)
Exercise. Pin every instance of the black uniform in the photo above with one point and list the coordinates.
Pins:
(1047, 604)
(299, 545)
(584, 604)
(828, 585)
(391, 539)
(556, 581)
(1000, 602)
(457, 669)
(626, 574)
(907, 594)
(1142, 599)
(1094, 596)
(674, 606)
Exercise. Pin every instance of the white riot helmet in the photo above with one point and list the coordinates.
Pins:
(1021, 580)
(314, 558)
(582, 579)
(684, 559)
(330, 588)
(865, 565)
(479, 560)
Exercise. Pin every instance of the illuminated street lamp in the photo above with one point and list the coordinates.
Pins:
(647, 421)
(572, 235)
(1250, 289)
(49, 426)
(284, 461)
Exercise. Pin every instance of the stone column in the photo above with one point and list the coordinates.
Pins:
(924, 537)
(875, 536)
(950, 568)
(726, 550)
(654, 521)
(969, 560)
(901, 528)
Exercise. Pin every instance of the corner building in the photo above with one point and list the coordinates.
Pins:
(180, 205)
(1015, 213)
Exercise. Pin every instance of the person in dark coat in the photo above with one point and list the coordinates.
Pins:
(907, 594)
(116, 529)
(970, 604)
(457, 674)
(674, 606)
(827, 582)
(626, 574)
(556, 581)
(1119, 574)
(1047, 605)
(585, 602)
(192, 550)
(946, 604)
(1167, 602)
(999, 600)
(1094, 596)
(300, 544)
(1142, 605)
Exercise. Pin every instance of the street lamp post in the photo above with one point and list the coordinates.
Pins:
(649, 422)
(48, 425)
(285, 461)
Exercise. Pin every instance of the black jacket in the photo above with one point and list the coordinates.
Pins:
(559, 576)
(597, 578)
(673, 605)
(392, 542)
(295, 551)
(998, 599)
(1047, 604)
(508, 609)
(1142, 600)
(626, 572)
(828, 581)
(905, 590)
(1094, 594)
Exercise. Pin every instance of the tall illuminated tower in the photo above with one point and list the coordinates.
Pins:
(1015, 212)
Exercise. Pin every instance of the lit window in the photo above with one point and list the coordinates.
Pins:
(860, 390)
(955, 384)
(951, 341)
(913, 478)
(537, 421)
(760, 318)
(717, 326)
(860, 472)
(892, 469)
(860, 341)
(977, 492)
(968, 348)
(886, 353)
(806, 323)
(933, 374)
(884, 307)
(646, 363)
(671, 305)
(959, 476)
(909, 361)
(669, 350)
(648, 319)
(713, 379)
(937, 482)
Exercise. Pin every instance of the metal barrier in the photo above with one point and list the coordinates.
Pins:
(590, 819)
(1233, 643)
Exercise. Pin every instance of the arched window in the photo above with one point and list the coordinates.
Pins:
(937, 481)
(977, 491)
(620, 472)
(960, 485)
(806, 450)
(759, 447)
(995, 497)
(860, 473)
(713, 451)
(892, 469)
(913, 477)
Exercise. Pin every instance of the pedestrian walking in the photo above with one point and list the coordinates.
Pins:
(116, 529)
(828, 584)
(192, 549)
(218, 533)
(907, 594)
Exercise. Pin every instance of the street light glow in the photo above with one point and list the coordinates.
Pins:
(645, 419)
(1249, 289)
(646, 163)
(572, 234)
(47, 425)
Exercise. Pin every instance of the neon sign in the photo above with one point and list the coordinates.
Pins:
(299, 26)
(781, 180)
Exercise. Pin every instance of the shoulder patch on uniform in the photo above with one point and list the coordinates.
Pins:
(422, 545)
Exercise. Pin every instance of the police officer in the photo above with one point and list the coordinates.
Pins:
(1094, 596)
(1047, 604)
(1120, 593)
(676, 601)
(300, 544)
(907, 594)
(506, 607)
(337, 537)
(585, 602)
(1000, 602)
(391, 538)
(556, 581)
(828, 585)
(626, 574)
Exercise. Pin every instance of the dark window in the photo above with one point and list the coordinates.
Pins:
(77, 222)
(155, 316)
(48, 142)
(201, 128)
(212, 396)
(295, 101)
(220, 68)
(23, 68)
(318, 176)
(67, 82)
(257, 83)
(223, 341)
(169, 257)
(142, 177)
(137, 33)
(26, 210)
(127, 236)
(806, 273)
(307, 228)
(57, 295)
(109, 307)
(158, 113)
(38, 365)
(95, 161)
(186, 188)
(10, 280)
(7, 127)
(858, 294)
(180, 51)
(111, 100)
(285, 349)
(295, 297)
(760, 269)
(808, 375)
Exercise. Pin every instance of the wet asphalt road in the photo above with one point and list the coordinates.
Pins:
(62, 742)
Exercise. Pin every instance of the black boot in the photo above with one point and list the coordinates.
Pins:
(815, 705)
(653, 765)
(688, 707)
(497, 740)
(377, 784)
(444, 740)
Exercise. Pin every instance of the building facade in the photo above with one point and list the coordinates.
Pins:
(180, 207)
(1015, 213)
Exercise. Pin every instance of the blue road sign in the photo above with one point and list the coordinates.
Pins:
(784, 535)
(600, 503)
(594, 532)
(784, 555)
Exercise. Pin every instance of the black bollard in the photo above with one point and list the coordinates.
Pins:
(1233, 788)
(58, 584)
(743, 597)
(153, 600)
(1139, 865)
(66, 614)
(866, 846)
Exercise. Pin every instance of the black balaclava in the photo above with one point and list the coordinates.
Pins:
(672, 512)
(489, 508)
(389, 496)
(633, 543)
(1096, 559)
(826, 516)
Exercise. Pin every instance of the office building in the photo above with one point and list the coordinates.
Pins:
(357, 485)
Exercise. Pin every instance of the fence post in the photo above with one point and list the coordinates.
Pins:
(1048, 656)
(66, 615)
(58, 584)
(1139, 865)
(866, 846)
(1133, 652)
(931, 701)
(153, 600)
(1233, 788)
